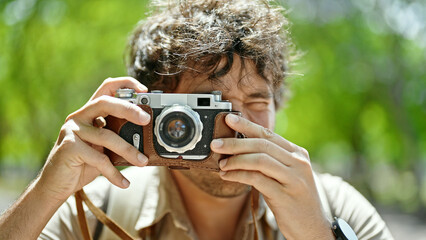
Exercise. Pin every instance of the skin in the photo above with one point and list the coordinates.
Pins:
(279, 169)
(76, 159)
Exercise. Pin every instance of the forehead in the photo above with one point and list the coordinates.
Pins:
(242, 78)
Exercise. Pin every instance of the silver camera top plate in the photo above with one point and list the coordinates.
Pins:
(157, 99)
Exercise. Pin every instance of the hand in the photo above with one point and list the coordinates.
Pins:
(78, 155)
(281, 171)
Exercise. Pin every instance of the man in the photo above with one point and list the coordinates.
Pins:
(241, 49)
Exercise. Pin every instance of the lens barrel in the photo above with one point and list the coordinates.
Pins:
(178, 128)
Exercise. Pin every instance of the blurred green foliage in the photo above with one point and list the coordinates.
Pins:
(359, 108)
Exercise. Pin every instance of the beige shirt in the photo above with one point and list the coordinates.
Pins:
(153, 202)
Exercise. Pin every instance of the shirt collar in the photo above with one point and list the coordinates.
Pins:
(162, 197)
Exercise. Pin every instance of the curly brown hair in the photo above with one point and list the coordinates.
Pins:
(205, 32)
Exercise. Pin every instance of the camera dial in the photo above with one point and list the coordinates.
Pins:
(125, 93)
(178, 128)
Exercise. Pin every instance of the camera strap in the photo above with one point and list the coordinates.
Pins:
(80, 197)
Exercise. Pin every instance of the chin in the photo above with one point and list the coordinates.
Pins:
(212, 184)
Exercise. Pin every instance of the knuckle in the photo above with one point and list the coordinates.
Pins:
(299, 158)
(295, 156)
(100, 105)
(115, 174)
(70, 117)
(102, 134)
(304, 152)
(67, 132)
(254, 178)
(101, 100)
(129, 149)
(306, 164)
(302, 158)
(72, 124)
(265, 145)
(108, 81)
(130, 79)
(104, 160)
(266, 133)
(68, 142)
(260, 158)
(129, 107)
(64, 129)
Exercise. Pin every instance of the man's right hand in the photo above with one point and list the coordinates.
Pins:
(76, 159)
(78, 155)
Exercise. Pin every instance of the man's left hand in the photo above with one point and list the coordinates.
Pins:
(281, 171)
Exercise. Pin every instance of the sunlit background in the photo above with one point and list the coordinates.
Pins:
(358, 90)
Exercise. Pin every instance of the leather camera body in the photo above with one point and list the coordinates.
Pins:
(181, 129)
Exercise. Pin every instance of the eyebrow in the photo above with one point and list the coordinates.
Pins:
(262, 94)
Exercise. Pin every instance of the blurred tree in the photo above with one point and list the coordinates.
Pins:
(54, 54)
(359, 108)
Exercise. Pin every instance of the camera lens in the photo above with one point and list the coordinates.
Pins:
(178, 128)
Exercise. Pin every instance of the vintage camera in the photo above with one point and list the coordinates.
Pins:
(182, 124)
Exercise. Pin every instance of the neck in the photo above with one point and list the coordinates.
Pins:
(207, 212)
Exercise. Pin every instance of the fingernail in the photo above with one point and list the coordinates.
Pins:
(217, 143)
(232, 118)
(126, 183)
(222, 173)
(145, 117)
(222, 163)
(142, 159)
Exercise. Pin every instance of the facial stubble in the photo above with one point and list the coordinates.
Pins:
(212, 184)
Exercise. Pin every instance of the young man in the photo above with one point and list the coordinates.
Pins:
(241, 49)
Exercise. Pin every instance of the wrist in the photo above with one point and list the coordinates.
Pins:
(322, 230)
(27, 217)
(325, 232)
(46, 194)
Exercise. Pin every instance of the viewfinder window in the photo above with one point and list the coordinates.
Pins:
(203, 102)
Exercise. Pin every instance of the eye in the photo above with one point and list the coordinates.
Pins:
(258, 105)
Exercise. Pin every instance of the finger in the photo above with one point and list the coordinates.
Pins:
(261, 162)
(99, 122)
(111, 85)
(109, 139)
(267, 186)
(233, 146)
(253, 130)
(103, 164)
(105, 105)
